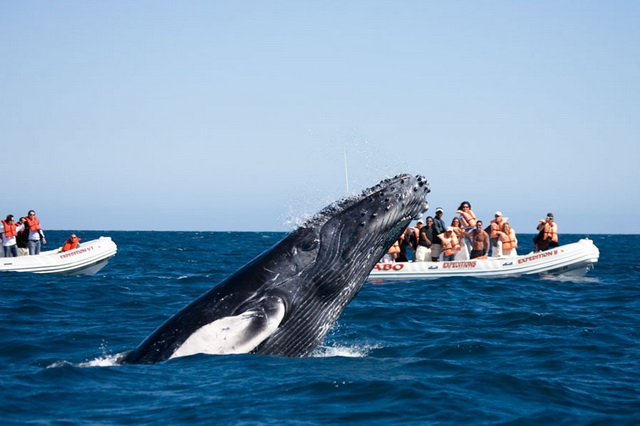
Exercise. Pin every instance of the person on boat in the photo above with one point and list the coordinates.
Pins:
(402, 254)
(547, 234)
(480, 242)
(450, 244)
(438, 223)
(36, 236)
(22, 239)
(463, 253)
(71, 243)
(392, 253)
(509, 241)
(439, 227)
(496, 227)
(427, 236)
(408, 243)
(414, 238)
(9, 235)
(467, 217)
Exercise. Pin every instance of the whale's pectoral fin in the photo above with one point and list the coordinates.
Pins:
(237, 334)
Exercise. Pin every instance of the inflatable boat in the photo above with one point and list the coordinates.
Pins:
(87, 259)
(571, 259)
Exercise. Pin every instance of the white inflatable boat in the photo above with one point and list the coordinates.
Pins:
(87, 259)
(574, 259)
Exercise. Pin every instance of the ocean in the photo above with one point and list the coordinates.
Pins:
(526, 350)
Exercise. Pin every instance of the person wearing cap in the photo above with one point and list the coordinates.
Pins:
(496, 228)
(547, 234)
(439, 227)
(438, 223)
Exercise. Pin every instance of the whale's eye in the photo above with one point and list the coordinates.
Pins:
(307, 240)
(309, 244)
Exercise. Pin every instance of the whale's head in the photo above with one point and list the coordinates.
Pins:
(355, 232)
(329, 258)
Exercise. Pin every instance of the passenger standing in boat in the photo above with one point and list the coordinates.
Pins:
(467, 217)
(450, 244)
(403, 241)
(392, 253)
(468, 222)
(439, 227)
(22, 240)
(414, 240)
(36, 236)
(548, 234)
(480, 242)
(509, 241)
(496, 227)
(463, 253)
(427, 236)
(9, 234)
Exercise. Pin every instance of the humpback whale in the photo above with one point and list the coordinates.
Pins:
(286, 300)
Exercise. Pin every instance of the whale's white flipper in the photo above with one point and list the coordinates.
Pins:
(237, 334)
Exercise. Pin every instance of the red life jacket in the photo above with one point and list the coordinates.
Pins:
(34, 224)
(9, 229)
(70, 244)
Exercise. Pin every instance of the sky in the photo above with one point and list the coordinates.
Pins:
(251, 115)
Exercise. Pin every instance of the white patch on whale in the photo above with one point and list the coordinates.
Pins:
(232, 335)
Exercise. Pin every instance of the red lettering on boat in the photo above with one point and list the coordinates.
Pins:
(76, 252)
(537, 256)
(388, 266)
(459, 264)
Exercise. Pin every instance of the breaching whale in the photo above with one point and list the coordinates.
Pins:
(287, 299)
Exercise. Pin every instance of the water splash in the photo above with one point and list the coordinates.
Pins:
(354, 351)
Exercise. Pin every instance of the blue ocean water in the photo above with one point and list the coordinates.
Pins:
(447, 351)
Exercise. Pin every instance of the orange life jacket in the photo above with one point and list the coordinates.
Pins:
(34, 224)
(9, 229)
(509, 240)
(469, 217)
(550, 230)
(495, 227)
(70, 244)
(449, 245)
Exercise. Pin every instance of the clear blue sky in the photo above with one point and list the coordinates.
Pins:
(236, 115)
